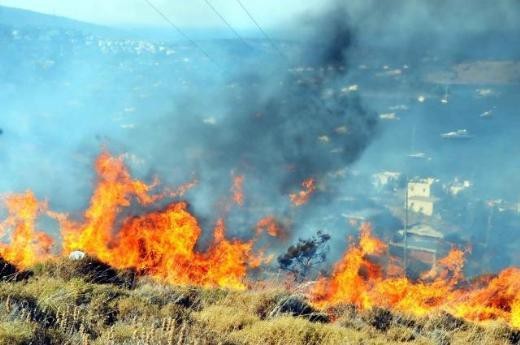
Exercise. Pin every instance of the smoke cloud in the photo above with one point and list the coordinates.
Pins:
(275, 122)
(356, 90)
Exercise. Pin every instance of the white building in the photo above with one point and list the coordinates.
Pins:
(420, 199)
(383, 179)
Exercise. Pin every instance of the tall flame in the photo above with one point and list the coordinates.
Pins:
(353, 275)
(515, 313)
(27, 245)
(114, 191)
(160, 243)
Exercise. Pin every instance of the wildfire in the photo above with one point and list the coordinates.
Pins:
(27, 245)
(114, 191)
(161, 243)
(300, 198)
(164, 243)
(353, 274)
(359, 279)
(515, 313)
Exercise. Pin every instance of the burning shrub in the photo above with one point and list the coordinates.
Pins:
(301, 258)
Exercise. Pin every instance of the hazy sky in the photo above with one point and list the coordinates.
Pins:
(182, 12)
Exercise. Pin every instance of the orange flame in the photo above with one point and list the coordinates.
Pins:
(164, 244)
(161, 244)
(448, 268)
(27, 245)
(515, 313)
(113, 192)
(348, 284)
(357, 279)
(303, 196)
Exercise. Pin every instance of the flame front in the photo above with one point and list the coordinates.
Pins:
(358, 278)
(27, 245)
(161, 244)
(164, 243)
(515, 313)
(114, 191)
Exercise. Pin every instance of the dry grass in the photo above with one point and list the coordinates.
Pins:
(64, 303)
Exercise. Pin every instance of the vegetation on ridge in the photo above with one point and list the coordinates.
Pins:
(83, 302)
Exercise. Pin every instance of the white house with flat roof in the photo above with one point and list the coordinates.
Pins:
(420, 199)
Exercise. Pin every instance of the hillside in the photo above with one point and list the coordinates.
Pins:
(19, 18)
(87, 302)
(339, 186)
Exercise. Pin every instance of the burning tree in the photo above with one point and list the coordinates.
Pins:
(301, 258)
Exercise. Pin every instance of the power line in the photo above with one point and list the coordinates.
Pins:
(226, 22)
(181, 32)
(260, 28)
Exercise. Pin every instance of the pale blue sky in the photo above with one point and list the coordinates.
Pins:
(183, 12)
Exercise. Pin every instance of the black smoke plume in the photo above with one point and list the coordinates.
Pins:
(277, 122)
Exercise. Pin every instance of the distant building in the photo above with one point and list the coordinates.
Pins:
(456, 186)
(423, 243)
(386, 178)
(420, 199)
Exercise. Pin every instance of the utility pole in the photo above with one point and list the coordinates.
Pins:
(405, 249)
(489, 225)
(405, 239)
(489, 228)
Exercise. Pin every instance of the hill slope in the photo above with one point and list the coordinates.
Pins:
(86, 302)
(19, 18)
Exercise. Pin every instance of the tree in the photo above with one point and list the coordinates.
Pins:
(301, 258)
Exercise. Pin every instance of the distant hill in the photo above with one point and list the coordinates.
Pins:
(19, 18)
